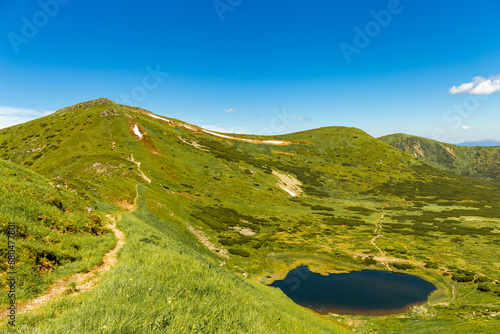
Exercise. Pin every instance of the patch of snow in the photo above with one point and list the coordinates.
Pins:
(255, 141)
(218, 135)
(290, 192)
(288, 183)
(160, 118)
(276, 142)
(137, 132)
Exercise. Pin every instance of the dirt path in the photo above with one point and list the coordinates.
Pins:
(84, 281)
(385, 260)
(378, 228)
(113, 144)
(147, 179)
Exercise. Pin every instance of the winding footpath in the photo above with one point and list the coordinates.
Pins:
(378, 229)
(84, 281)
(147, 179)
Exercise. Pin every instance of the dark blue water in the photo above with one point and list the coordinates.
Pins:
(367, 292)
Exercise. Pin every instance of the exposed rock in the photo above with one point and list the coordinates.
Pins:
(34, 150)
(109, 112)
(99, 102)
(288, 183)
(243, 231)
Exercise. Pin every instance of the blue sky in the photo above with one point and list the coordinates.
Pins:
(264, 67)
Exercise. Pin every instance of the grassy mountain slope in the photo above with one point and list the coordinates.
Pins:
(469, 161)
(160, 285)
(229, 201)
(56, 235)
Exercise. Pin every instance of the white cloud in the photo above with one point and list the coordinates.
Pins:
(230, 110)
(232, 129)
(10, 116)
(462, 88)
(466, 127)
(479, 86)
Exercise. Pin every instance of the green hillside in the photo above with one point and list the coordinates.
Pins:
(469, 161)
(56, 232)
(209, 217)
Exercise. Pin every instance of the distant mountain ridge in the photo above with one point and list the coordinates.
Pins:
(487, 142)
(477, 161)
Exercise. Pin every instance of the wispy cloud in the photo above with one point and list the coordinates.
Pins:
(10, 116)
(296, 118)
(232, 129)
(466, 127)
(230, 110)
(479, 86)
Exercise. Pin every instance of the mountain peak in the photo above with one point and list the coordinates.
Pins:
(88, 104)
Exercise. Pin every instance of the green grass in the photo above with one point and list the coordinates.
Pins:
(168, 287)
(56, 236)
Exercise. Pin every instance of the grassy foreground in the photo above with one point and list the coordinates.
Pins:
(162, 285)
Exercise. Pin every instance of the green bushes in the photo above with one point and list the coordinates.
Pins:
(438, 221)
(316, 192)
(228, 241)
(482, 279)
(321, 208)
(402, 266)
(483, 288)
(369, 261)
(55, 201)
(431, 265)
(462, 276)
(218, 218)
(360, 210)
(238, 251)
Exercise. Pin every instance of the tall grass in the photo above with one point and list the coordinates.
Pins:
(56, 236)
